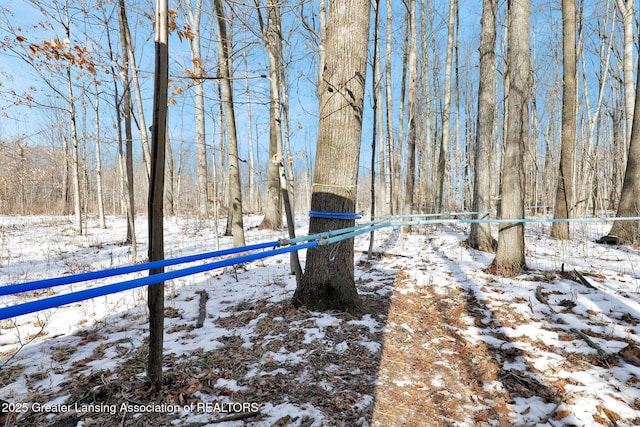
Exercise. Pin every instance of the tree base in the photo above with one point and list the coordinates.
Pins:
(483, 246)
(609, 240)
(507, 270)
(267, 224)
(327, 296)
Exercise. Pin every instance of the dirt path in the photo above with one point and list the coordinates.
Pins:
(428, 372)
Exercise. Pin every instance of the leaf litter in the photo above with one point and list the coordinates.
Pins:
(439, 340)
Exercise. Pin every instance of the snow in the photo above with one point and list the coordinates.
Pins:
(253, 339)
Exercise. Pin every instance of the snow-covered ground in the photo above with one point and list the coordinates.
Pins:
(440, 340)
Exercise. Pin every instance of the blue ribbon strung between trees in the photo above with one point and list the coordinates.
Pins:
(93, 275)
(60, 300)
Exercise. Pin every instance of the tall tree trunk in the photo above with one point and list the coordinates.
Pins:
(444, 162)
(411, 109)
(127, 105)
(480, 234)
(390, 178)
(626, 8)
(564, 192)
(142, 124)
(202, 197)
(588, 165)
(235, 185)
(254, 199)
(328, 280)
(510, 260)
(272, 36)
(75, 155)
(99, 184)
(155, 297)
(628, 232)
(375, 86)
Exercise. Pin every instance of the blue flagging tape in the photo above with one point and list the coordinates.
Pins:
(93, 275)
(334, 215)
(60, 300)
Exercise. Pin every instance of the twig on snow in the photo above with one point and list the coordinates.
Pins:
(204, 296)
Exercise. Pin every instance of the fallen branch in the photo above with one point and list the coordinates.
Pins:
(583, 280)
(541, 297)
(235, 417)
(204, 296)
(601, 353)
(590, 343)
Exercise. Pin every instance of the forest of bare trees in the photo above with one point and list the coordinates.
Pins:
(459, 117)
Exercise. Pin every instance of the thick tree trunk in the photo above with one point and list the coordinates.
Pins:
(628, 232)
(510, 260)
(626, 8)
(564, 193)
(272, 37)
(480, 235)
(328, 280)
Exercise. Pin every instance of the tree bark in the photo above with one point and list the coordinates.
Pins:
(510, 259)
(626, 8)
(235, 185)
(202, 196)
(328, 280)
(272, 37)
(444, 162)
(564, 193)
(390, 176)
(99, 184)
(144, 139)
(480, 234)
(127, 105)
(411, 109)
(628, 232)
(155, 297)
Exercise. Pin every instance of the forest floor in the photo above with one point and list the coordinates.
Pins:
(441, 342)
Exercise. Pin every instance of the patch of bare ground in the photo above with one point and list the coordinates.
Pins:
(428, 372)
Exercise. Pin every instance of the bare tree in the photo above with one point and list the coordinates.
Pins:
(412, 108)
(391, 177)
(444, 162)
(193, 14)
(272, 36)
(99, 184)
(628, 232)
(564, 193)
(480, 234)
(235, 186)
(328, 280)
(127, 106)
(135, 82)
(510, 259)
(626, 8)
(155, 297)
